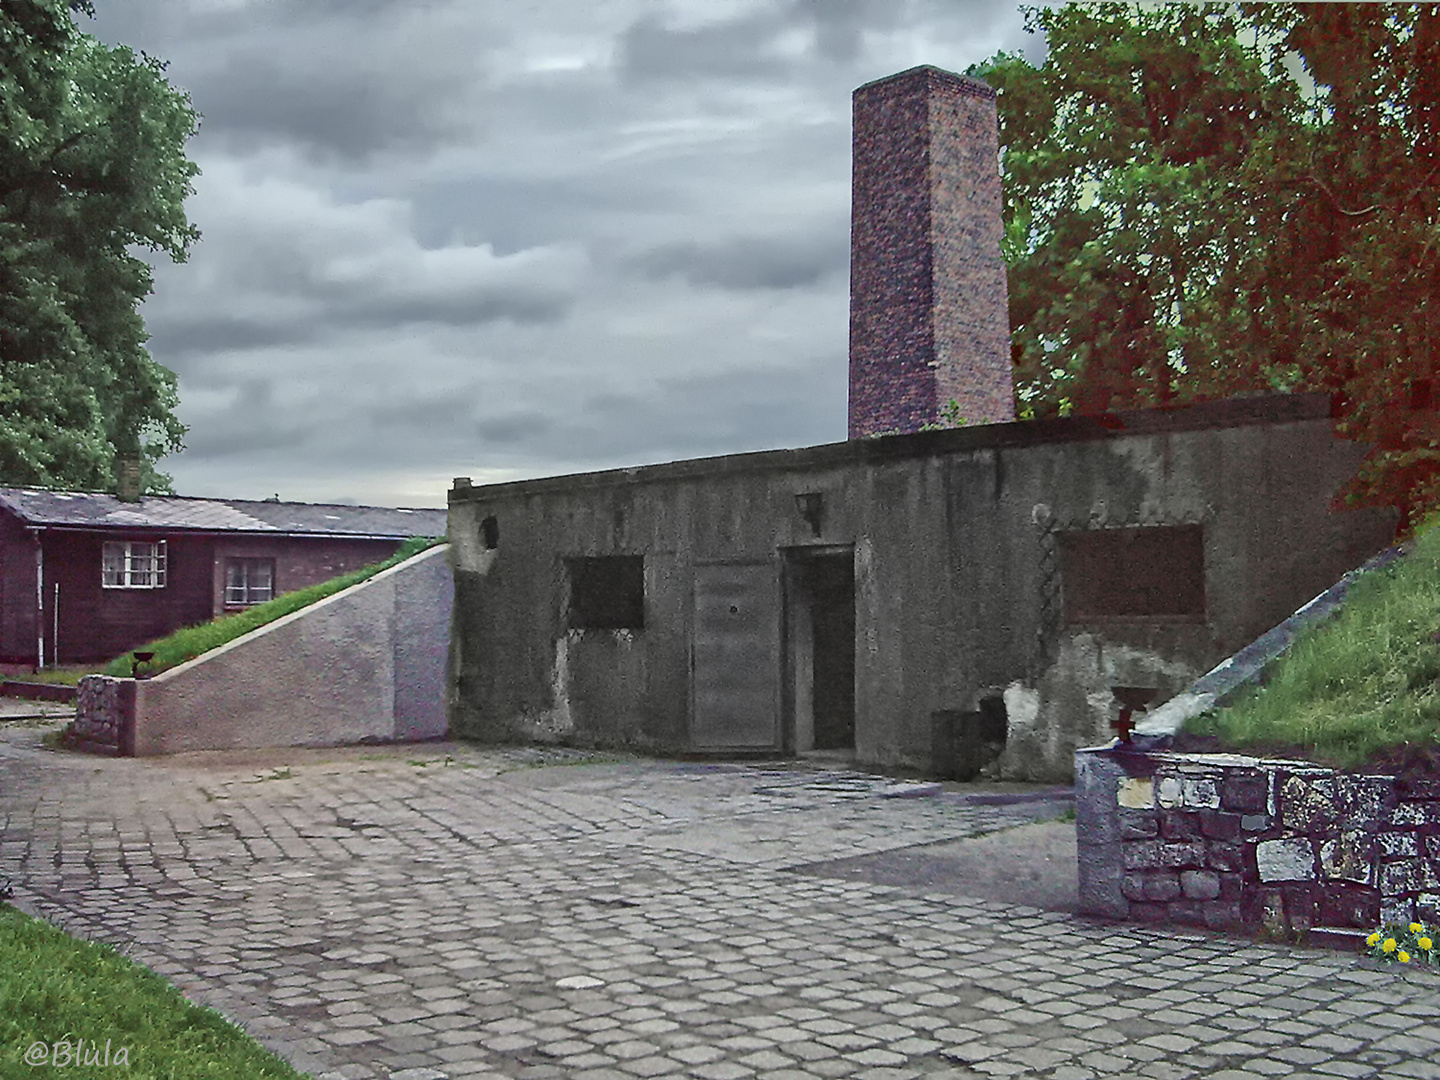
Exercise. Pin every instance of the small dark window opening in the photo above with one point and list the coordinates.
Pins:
(490, 533)
(607, 593)
(1154, 573)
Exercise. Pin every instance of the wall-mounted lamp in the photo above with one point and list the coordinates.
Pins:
(811, 505)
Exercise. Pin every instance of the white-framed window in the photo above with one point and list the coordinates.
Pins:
(249, 581)
(133, 564)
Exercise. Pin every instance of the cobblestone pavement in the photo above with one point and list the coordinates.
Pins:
(444, 911)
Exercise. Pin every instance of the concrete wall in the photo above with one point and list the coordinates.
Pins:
(949, 532)
(365, 664)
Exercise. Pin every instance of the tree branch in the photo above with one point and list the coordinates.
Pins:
(1369, 209)
(1335, 199)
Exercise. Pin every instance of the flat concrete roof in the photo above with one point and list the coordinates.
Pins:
(1225, 413)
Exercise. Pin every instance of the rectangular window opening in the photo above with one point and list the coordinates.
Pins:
(607, 593)
(132, 564)
(1145, 574)
(249, 581)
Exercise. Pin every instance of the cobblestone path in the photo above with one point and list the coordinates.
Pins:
(443, 912)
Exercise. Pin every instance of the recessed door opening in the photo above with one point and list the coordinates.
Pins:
(820, 650)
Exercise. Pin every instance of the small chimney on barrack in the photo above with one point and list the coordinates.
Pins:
(127, 478)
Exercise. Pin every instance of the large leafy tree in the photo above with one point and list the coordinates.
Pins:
(92, 165)
(1203, 201)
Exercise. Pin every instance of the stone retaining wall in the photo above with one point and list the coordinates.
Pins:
(104, 716)
(1239, 843)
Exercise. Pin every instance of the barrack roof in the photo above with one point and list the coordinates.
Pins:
(95, 510)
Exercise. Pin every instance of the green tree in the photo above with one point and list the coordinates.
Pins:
(1185, 218)
(1356, 311)
(92, 165)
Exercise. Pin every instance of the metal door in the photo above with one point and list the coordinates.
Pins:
(735, 660)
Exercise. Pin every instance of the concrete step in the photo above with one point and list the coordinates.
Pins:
(1340, 938)
(38, 691)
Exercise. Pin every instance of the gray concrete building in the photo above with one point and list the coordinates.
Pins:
(943, 600)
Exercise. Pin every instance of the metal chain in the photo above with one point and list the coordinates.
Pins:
(1049, 584)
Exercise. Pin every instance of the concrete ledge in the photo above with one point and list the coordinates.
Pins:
(1342, 939)
(1200, 416)
(38, 691)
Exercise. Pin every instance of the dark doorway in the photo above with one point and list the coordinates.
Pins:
(820, 649)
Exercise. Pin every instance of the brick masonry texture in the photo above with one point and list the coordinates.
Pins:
(929, 317)
(1289, 846)
(104, 715)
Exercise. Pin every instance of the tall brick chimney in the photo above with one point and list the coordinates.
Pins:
(929, 315)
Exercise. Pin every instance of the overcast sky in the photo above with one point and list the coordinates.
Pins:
(504, 240)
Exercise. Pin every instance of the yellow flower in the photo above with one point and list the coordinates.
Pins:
(1415, 928)
(1425, 944)
(1404, 956)
(1373, 938)
(1389, 945)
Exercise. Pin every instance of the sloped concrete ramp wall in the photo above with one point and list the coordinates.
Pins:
(1223, 683)
(365, 664)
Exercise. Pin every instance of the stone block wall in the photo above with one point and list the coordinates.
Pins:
(1239, 843)
(104, 716)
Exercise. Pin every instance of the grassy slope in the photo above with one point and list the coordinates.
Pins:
(53, 988)
(190, 641)
(1358, 685)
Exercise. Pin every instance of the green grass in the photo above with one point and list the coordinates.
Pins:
(192, 641)
(58, 676)
(1358, 684)
(54, 988)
